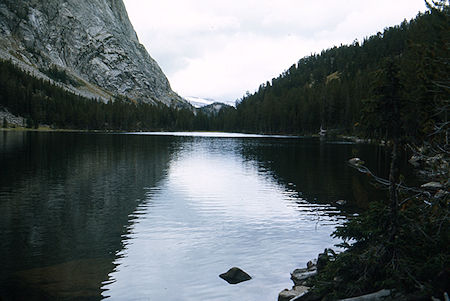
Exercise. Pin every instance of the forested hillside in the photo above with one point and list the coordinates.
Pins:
(336, 89)
(402, 97)
(43, 102)
(393, 86)
(332, 89)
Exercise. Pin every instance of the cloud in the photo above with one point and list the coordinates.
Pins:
(220, 49)
(245, 61)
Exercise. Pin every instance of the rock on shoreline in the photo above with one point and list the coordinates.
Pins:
(301, 292)
(299, 277)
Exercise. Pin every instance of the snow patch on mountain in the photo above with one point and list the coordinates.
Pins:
(199, 102)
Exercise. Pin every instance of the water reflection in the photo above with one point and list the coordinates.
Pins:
(131, 217)
(65, 202)
(216, 210)
(318, 170)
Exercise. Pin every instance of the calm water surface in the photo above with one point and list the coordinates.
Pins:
(159, 217)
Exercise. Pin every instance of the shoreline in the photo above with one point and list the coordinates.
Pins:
(303, 288)
(354, 139)
(40, 129)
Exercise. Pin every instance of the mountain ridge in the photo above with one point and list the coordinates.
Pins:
(93, 41)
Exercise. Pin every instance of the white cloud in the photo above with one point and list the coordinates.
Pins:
(220, 49)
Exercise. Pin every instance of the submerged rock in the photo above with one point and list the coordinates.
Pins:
(235, 275)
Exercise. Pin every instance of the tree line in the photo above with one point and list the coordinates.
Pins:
(40, 101)
(400, 244)
(333, 90)
(393, 86)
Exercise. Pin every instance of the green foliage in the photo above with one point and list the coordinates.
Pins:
(405, 68)
(381, 113)
(331, 89)
(60, 75)
(5, 123)
(44, 103)
(403, 246)
(414, 263)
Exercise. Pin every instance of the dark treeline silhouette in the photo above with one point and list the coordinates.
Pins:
(398, 243)
(42, 102)
(333, 89)
(393, 86)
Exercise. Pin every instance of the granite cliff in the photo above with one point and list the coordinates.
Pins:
(91, 42)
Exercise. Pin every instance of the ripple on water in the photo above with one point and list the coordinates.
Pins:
(214, 211)
(151, 217)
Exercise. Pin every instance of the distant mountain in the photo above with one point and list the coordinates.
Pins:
(199, 102)
(88, 46)
(214, 108)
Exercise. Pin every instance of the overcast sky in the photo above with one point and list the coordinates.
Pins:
(221, 49)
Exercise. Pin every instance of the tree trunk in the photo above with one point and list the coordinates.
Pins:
(393, 191)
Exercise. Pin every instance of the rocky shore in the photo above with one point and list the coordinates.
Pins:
(302, 290)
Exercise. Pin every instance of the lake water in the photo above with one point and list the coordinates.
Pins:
(158, 217)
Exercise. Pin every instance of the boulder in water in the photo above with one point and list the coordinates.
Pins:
(235, 275)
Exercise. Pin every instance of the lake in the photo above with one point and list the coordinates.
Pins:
(149, 216)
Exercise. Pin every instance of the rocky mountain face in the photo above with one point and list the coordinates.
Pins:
(214, 108)
(91, 41)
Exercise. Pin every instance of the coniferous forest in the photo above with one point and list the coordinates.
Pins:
(42, 102)
(334, 90)
(393, 86)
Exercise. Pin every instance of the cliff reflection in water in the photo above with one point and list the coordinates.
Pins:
(65, 201)
(86, 216)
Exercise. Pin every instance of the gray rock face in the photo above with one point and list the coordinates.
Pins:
(93, 40)
(213, 109)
